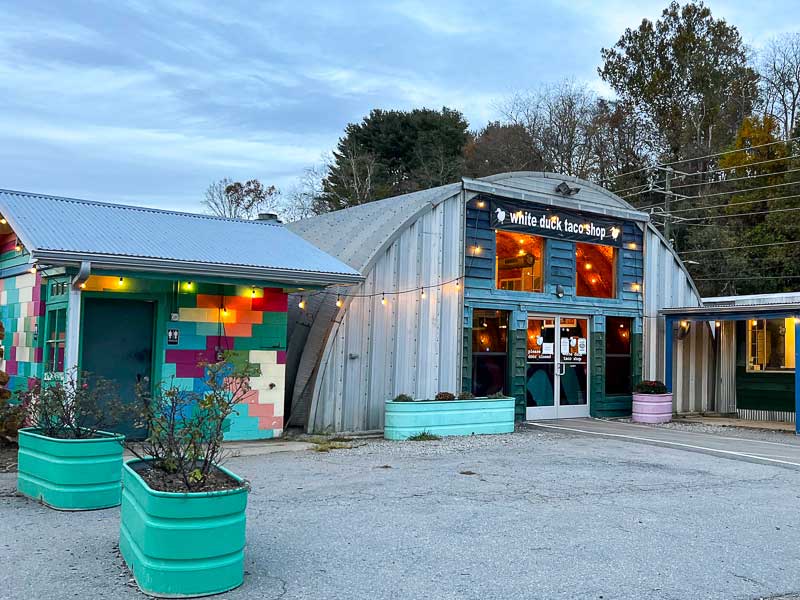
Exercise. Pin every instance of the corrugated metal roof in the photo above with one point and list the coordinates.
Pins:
(355, 235)
(51, 226)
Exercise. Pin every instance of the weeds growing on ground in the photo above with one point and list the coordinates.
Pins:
(424, 436)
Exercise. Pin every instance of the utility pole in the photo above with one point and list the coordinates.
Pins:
(667, 203)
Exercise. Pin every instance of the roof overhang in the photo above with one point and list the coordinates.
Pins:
(488, 187)
(731, 313)
(184, 268)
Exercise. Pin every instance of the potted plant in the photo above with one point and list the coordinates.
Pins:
(66, 458)
(651, 403)
(447, 414)
(182, 529)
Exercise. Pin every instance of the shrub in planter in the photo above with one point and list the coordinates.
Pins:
(182, 529)
(66, 458)
(651, 402)
(445, 396)
(403, 398)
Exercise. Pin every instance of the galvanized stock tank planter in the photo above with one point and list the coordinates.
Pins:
(448, 417)
(70, 474)
(181, 545)
(652, 403)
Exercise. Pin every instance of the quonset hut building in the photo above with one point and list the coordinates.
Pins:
(538, 285)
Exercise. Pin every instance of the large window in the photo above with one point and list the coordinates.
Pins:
(618, 356)
(770, 345)
(596, 270)
(520, 260)
(489, 351)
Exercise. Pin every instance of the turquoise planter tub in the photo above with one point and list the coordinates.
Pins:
(70, 474)
(181, 545)
(449, 417)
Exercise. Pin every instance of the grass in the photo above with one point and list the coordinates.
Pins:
(328, 445)
(424, 436)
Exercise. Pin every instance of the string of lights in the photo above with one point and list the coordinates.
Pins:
(678, 198)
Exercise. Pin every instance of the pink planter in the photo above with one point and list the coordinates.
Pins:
(652, 408)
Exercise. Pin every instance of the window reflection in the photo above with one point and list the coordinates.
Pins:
(596, 270)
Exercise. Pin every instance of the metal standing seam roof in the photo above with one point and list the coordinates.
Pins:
(65, 231)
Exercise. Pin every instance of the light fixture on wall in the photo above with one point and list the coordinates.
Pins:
(559, 291)
(481, 203)
(302, 303)
(121, 281)
(565, 189)
(683, 329)
(33, 269)
(339, 302)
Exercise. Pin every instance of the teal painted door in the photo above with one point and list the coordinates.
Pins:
(118, 345)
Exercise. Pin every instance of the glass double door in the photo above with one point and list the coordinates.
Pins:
(557, 374)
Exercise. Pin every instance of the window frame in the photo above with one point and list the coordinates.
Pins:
(544, 266)
(629, 355)
(748, 348)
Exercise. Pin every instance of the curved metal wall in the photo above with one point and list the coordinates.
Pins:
(410, 345)
(667, 285)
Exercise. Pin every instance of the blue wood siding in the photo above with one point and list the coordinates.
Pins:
(559, 269)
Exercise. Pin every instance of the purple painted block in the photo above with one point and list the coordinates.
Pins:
(652, 408)
(218, 341)
(281, 357)
(38, 355)
(190, 357)
(11, 367)
(189, 370)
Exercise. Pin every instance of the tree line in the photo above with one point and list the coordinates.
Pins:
(702, 132)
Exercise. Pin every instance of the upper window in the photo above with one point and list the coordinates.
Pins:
(596, 270)
(770, 345)
(520, 259)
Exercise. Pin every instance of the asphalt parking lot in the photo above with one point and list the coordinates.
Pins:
(543, 513)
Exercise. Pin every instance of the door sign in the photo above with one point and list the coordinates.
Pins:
(173, 337)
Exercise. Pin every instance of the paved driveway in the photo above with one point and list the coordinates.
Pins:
(543, 513)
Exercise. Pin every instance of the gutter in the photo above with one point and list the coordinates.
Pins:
(160, 265)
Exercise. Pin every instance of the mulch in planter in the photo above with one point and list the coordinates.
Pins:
(157, 479)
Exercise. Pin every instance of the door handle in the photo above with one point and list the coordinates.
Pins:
(562, 368)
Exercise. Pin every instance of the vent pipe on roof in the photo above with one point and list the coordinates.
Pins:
(271, 217)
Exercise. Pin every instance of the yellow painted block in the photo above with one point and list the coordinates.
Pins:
(200, 315)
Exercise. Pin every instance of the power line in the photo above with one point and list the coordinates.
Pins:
(714, 181)
(677, 162)
(744, 214)
(703, 196)
(746, 277)
(682, 210)
(739, 247)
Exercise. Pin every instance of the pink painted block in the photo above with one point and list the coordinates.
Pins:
(15, 339)
(250, 397)
(281, 357)
(37, 288)
(188, 370)
(38, 308)
(12, 353)
(270, 423)
(261, 410)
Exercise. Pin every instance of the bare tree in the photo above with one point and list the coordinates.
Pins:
(235, 200)
(306, 198)
(780, 80)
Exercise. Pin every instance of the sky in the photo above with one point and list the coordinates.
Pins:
(148, 102)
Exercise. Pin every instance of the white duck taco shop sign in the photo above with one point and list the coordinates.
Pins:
(555, 222)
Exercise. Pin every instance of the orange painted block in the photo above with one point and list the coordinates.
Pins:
(249, 316)
(238, 330)
(208, 301)
(239, 302)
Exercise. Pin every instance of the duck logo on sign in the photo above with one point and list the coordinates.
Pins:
(501, 215)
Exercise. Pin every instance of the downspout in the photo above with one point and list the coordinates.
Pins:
(72, 341)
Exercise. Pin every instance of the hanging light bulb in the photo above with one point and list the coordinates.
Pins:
(422, 294)
(458, 283)
(476, 250)
(481, 203)
(33, 268)
(383, 299)
(121, 281)
(188, 285)
(302, 303)
(253, 291)
(224, 310)
(83, 285)
(339, 302)
(17, 246)
(3, 221)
